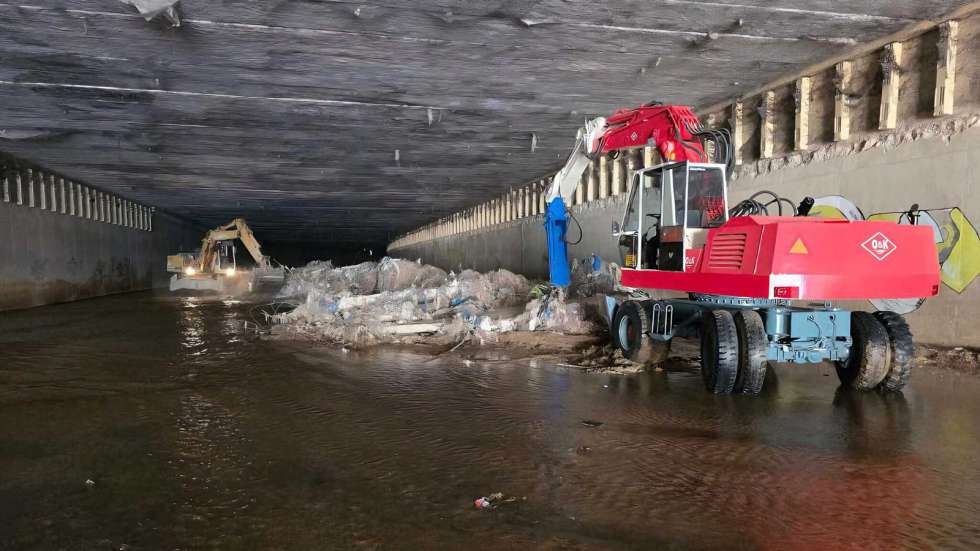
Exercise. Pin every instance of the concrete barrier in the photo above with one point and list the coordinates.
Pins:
(48, 257)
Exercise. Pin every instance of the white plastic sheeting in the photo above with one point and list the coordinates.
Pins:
(385, 302)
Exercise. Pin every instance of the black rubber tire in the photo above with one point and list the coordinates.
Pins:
(753, 352)
(719, 351)
(631, 325)
(902, 349)
(867, 364)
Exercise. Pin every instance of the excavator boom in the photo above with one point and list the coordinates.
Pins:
(236, 229)
(674, 130)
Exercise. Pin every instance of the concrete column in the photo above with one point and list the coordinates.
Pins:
(738, 129)
(618, 175)
(6, 186)
(590, 183)
(801, 97)
(579, 193)
(768, 125)
(63, 188)
(53, 192)
(542, 197)
(72, 199)
(19, 187)
(31, 198)
(946, 69)
(42, 190)
(891, 70)
(603, 176)
(842, 108)
(651, 158)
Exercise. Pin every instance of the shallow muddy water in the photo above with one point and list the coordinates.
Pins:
(152, 422)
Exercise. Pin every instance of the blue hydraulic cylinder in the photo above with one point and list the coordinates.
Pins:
(555, 225)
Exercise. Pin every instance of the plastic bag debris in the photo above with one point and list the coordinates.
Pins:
(397, 299)
(592, 276)
(493, 501)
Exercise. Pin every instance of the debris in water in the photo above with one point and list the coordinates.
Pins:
(493, 501)
(592, 424)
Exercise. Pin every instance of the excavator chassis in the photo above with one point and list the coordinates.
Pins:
(740, 336)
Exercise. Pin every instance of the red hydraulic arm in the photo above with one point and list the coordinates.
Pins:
(670, 127)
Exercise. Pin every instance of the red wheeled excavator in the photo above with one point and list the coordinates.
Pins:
(754, 287)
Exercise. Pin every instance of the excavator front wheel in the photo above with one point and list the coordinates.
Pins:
(631, 333)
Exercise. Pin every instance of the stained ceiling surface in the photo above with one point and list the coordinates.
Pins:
(350, 122)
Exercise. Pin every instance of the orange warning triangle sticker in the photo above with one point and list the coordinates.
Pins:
(798, 247)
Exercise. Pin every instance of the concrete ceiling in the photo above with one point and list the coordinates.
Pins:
(351, 122)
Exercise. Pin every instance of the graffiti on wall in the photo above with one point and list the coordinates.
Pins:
(957, 243)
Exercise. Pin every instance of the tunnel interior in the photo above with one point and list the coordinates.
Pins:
(350, 123)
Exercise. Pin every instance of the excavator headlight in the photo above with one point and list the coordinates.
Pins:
(230, 272)
(189, 271)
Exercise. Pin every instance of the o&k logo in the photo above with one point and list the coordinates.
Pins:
(879, 246)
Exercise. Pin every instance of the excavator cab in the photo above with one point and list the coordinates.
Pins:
(668, 214)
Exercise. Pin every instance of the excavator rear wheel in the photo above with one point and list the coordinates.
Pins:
(902, 351)
(719, 351)
(867, 364)
(753, 352)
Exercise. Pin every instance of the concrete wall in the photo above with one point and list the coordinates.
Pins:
(888, 175)
(48, 257)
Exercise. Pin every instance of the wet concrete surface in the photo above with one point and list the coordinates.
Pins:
(197, 436)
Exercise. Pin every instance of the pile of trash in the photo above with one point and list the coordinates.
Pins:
(592, 276)
(397, 299)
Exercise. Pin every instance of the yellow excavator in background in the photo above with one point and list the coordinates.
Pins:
(215, 266)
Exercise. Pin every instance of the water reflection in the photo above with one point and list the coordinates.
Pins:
(250, 444)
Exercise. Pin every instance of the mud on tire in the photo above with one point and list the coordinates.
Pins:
(753, 352)
(867, 364)
(630, 327)
(719, 351)
(902, 351)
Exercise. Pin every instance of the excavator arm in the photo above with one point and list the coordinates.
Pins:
(674, 130)
(236, 229)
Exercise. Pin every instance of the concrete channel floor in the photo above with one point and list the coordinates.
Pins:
(149, 421)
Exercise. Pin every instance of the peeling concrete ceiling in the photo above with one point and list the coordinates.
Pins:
(351, 122)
